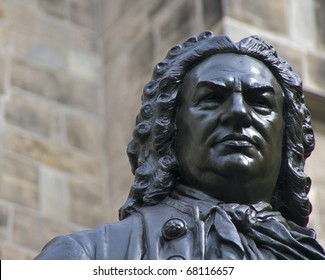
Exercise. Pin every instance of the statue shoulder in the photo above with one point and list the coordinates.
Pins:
(108, 241)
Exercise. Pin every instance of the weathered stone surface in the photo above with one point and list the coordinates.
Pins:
(266, 14)
(57, 8)
(5, 34)
(33, 115)
(20, 13)
(19, 191)
(82, 94)
(55, 85)
(118, 38)
(86, 13)
(3, 12)
(319, 7)
(47, 55)
(86, 206)
(120, 180)
(84, 66)
(314, 164)
(143, 54)
(85, 41)
(302, 22)
(24, 221)
(321, 210)
(53, 32)
(316, 72)
(178, 25)
(85, 134)
(114, 10)
(156, 6)
(19, 168)
(124, 98)
(4, 212)
(10, 251)
(54, 195)
(213, 12)
(2, 74)
(54, 155)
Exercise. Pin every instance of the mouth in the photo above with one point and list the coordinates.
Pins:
(237, 140)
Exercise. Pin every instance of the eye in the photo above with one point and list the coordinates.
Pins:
(210, 97)
(261, 103)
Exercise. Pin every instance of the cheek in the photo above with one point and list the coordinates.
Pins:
(270, 127)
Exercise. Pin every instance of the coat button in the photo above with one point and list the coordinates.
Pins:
(174, 228)
(176, 257)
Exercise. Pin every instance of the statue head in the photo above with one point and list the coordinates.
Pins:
(155, 152)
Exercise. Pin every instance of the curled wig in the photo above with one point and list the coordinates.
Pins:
(152, 150)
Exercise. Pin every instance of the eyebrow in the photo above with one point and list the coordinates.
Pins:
(212, 83)
(258, 87)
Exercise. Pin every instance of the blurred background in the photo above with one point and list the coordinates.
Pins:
(71, 77)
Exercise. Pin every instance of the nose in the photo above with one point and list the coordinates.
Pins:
(236, 112)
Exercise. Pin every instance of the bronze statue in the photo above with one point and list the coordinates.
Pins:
(218, 155)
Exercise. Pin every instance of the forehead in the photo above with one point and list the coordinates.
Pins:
(226, 66)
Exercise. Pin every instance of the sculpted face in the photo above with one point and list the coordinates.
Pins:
(230, 129)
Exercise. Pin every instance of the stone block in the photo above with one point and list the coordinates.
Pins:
(85, 134)
(23, 43)
(33, 115)
(316, 72)
(121, 124)
(50, 84)
(82, 94)
(319, 9)
(86, 13)
(55, 85)
(54, 195)
(5, 34)
(212, 12)
(156, 6)
(302, 22)
(3, 74)
(19, 191)
(84, 66)
(57, 8)
(3, 11)
(317, 222)
(177, 25)
(4, 213)
(142, 61)
(86, 207)
(40, 230)
(119, 38)
(270, 15)
(54, 155)
(19, 168)
(114, 10)
(54, 33)
(22, 16)
(321, 210)
(11, 251)
(314, 164)
(85, 41)
(120, 180)
(47, 55)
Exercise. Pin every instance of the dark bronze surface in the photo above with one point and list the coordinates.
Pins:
(218, 155)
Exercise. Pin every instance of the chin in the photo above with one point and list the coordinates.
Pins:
(236, 165)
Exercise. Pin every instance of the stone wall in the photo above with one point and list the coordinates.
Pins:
(72, 73)
(53, 122)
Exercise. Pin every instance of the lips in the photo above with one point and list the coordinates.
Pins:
(239, 140)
